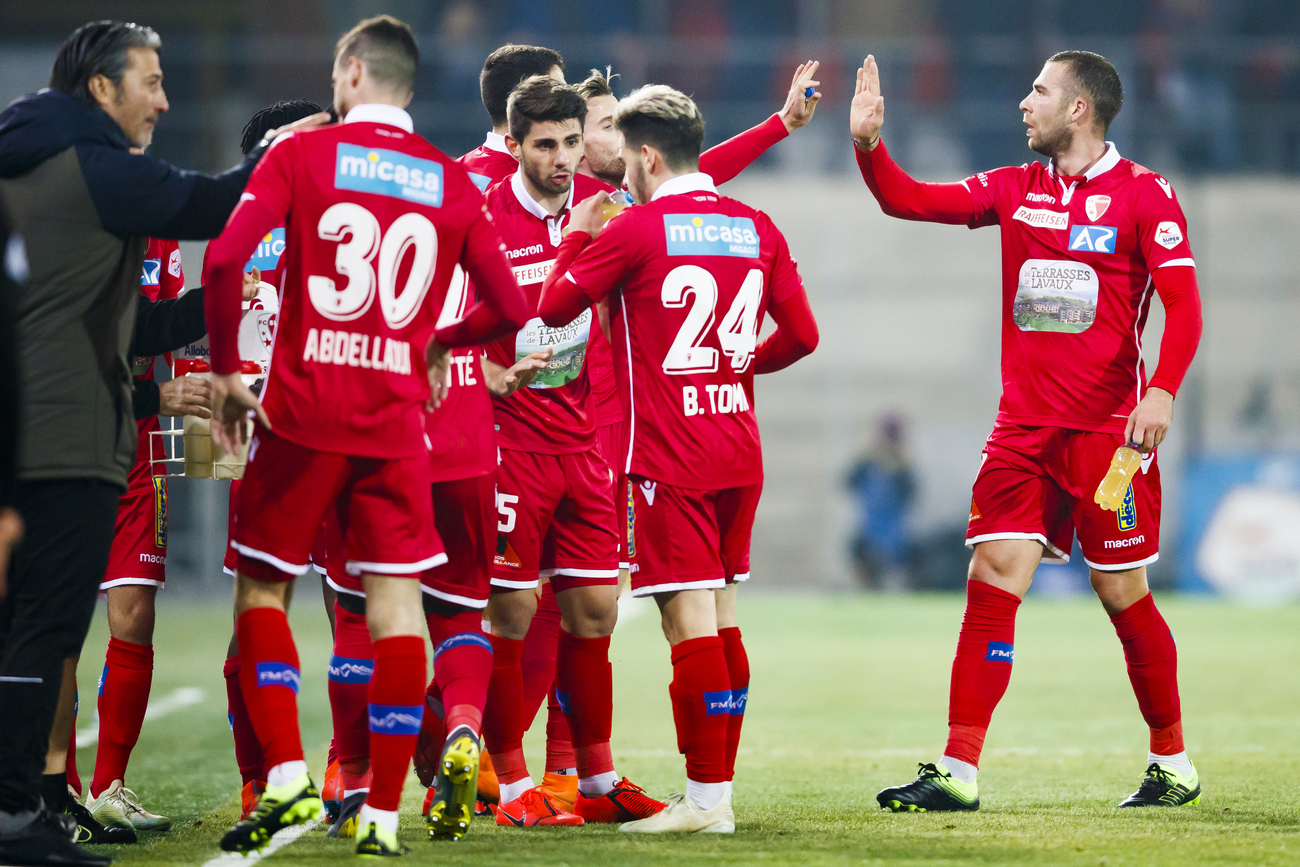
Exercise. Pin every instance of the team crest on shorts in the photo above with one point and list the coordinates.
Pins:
(1128, 513)
(160, 511)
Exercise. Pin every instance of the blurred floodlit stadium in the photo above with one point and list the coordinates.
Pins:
(909, 312)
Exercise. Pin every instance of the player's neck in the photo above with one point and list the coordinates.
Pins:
(584, 168)
(552, 203)
(1082, 155)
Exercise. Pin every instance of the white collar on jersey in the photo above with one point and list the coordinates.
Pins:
(692, 182)
(377, 112)
(495, 141)
(530, 204)
(1108, 161)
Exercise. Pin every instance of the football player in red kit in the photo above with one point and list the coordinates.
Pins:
(380, 218)
(1086, 240)
(681, 260)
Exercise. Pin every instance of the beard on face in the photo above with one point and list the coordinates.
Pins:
(543, 182)
(607, 166)
(636, 182)
(1054, 141)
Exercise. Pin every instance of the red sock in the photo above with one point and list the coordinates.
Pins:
(433, 729)
(1152, 662)
(248, 749)
(270, 677)
(584, 686)
(559, 739)
(738, 673)
(350, 671)
(701, 694)
(123, 697)
(462, 667)
(982, 668)
(538, 659)
(396, 707)
(503, 716)
(70, 769)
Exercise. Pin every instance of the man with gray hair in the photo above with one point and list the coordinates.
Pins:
(85, 206)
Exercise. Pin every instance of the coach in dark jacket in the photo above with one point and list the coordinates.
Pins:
(85, 207)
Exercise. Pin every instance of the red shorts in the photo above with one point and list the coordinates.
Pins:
(382, 507)
(556, 521)
(231, 558)
(611, 439)
(139, 553)
(685, 539)
(1038, 483)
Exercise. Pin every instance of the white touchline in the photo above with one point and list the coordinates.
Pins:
(173, 701)
(279, 841)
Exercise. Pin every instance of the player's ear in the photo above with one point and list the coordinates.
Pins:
(513, 146)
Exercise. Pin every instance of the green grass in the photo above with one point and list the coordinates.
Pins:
(848, 694)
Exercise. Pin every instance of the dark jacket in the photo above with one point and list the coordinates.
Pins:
(163, 326)
(86, 207)
(13, 269)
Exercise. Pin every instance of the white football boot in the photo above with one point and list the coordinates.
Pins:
(682, 815)
(118, 807)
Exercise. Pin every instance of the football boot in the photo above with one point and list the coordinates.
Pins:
(452, 808)
(1164, 786)
(345, 823)
(117, 803)
(248, 796)
(294, 803)
(626, 802)
(934, 790)
(533, 808)
(682, 815)
(375, 842)
(331, 790)
(562, 789)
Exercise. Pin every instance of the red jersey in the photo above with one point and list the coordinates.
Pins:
(690, 276)
(377, 220)
(553, 414)
(489, 162)
(266, 259)
(161, 278)
(1077, 258)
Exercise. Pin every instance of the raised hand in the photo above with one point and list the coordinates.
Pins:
(798, 109)
(867, 111)
(231, 403)
(505, 381)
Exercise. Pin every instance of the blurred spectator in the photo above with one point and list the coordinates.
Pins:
(884, 484)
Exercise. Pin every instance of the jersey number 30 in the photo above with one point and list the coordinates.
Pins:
(353, 259)
(737, 334)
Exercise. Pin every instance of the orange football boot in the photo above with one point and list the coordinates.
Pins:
(532, 808)
(428, 800)
(248, 796)
(626, 802)
(562, 789)
(332, 790)
(489, 790)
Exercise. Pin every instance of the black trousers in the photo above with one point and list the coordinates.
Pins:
(53, 581)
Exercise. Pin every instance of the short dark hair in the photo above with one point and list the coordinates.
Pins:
(597, 84)
(387, 48)
(1095, 76)
(506, 67)
(274, 116)
(667, 120)
(98, 48)
(540, 98)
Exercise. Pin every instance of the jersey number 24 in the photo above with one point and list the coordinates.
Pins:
(737, 333)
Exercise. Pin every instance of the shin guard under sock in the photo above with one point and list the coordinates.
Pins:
(396, 708)
(701, 696)
(351, 667)
(269, 676)
(462, 667)
(981, 670)
(248, 749)
(738, 673)
(1152, 661)
(584, 687)
(123, 697)
(503, 718)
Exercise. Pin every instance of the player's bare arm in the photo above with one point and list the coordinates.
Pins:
(867, 110)
(437, 362)
(505, 381)
(798, 109)
(11, 533)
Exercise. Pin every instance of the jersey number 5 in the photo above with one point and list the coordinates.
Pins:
(353, 259)
(737, 335)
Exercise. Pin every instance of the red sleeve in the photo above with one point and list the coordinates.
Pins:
(796, 329)
(724, 161)
(501, 307)
(1177, 287)
(901, 196)
(563, 300)
(1161, 226)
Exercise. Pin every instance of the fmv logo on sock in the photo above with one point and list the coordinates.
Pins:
(396, 719)
(717, 702)
(278, 674)
(1000, 651)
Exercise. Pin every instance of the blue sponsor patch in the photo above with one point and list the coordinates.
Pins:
(710, 235)
(1128, 511)
(345, 670)
(717, 702)
(151, 272)
(1094, 239)
(480, 181)
(1000, 651)
(396, 719)
(565, 702)
(230, 718)
(278, 674)
(103, 676)
(269, 250)
(388, 173)
(463, 639)
(739, 698)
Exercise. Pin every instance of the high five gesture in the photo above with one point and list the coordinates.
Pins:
(867, 111)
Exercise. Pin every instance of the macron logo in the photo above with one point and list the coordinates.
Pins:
(1000, 651)
(1125, 543)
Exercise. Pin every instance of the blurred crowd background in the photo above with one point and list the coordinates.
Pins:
(872, 443)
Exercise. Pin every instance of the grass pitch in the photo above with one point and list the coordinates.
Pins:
(848, 694)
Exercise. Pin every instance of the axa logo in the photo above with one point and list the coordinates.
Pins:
(345, 670)
(152, 271)
(1128, 513)
(388, 173)
(278, 674)
(1093, 239)
(396, 719)
(1000, 651)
